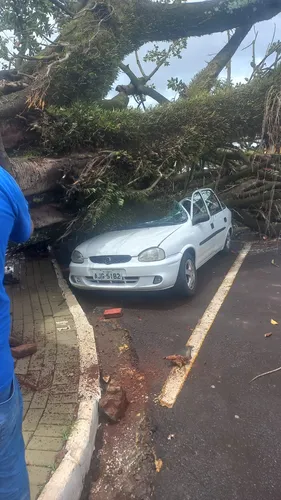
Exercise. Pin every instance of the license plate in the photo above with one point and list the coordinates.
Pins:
(112, 275)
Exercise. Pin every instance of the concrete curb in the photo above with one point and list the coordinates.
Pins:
(68, 480)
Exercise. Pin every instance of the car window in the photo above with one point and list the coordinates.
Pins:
(187, 205)
(211, 201)
(198, 205)
(160, 213)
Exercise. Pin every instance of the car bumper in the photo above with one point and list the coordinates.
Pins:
(137, 276)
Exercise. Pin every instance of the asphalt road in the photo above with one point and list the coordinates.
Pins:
(225, 442)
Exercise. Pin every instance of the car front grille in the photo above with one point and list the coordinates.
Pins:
(128, 280)
(110, 259)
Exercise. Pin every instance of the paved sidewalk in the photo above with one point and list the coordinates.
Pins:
(49, 379)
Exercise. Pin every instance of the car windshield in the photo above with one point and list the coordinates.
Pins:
(163, 214)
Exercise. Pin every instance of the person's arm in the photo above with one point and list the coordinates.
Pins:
(23, 225)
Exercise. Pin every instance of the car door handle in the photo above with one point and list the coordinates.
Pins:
(212, 225)
(225, 219)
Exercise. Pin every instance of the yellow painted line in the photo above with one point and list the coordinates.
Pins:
(177, 377)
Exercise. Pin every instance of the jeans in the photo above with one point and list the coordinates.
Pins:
(14, 484)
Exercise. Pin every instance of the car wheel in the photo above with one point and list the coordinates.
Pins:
(187, 277)
(227, 245)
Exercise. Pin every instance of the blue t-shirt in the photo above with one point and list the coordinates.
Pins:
(15, 225)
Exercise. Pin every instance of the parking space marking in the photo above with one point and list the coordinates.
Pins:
(177, 376)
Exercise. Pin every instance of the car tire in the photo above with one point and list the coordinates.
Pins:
(227, 246)
(187, 277)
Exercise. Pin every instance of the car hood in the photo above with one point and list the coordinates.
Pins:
(127, 242)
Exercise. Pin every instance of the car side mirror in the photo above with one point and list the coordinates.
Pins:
(198, 218)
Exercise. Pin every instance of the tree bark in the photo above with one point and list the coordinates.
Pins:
(249, 201)
(13, 104)
(273, 229)
(46, 216)
(39, 175)
(161, 22)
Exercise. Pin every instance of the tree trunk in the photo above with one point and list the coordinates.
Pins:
(39, 175)
(13, 104)
(140, 150)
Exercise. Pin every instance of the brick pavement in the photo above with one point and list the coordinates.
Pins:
(49, 379)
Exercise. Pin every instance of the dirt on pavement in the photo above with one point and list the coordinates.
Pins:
(123, 465)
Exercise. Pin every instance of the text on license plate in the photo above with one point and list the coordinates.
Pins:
(109, 275)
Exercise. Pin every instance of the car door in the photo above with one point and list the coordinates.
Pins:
(202, 225)
(219, 220)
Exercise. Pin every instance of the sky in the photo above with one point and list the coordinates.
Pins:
(199, 51)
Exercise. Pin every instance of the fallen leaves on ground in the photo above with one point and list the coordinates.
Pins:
(177, 360)
(267, 335)
(158, 464)
(274, 263)
(123, 348)
(273, 322)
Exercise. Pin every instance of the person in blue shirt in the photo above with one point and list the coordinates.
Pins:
(16, 226)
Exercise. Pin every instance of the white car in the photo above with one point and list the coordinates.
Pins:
(159, 254)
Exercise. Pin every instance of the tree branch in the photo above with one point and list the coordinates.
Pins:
(206, 79)
(160, 63)
(229, 65)
(62, 7)
(252, 200)
(10, 75)
(138, 87)
(258, 67)
(43, 58)
(139, 64)
(11, 87)
(133, 78)
(161, 22)
(154, 95)
(157, 67)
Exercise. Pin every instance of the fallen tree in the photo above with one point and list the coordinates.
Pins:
(53, 111)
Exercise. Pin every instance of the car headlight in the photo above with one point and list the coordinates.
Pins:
(77, 257)
(152, 255)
